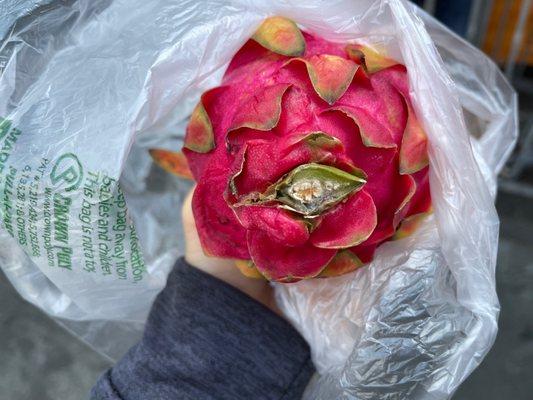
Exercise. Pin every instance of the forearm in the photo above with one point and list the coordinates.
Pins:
(207, 340)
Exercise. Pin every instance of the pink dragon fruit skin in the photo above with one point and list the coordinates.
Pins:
(307, 157)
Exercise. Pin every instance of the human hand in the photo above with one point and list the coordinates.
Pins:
(221, 268)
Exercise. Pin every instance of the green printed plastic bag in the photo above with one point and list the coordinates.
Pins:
(89, 227)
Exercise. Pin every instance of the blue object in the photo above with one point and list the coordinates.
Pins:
(452, 13)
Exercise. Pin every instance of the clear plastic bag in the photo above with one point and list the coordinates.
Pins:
(86, 87)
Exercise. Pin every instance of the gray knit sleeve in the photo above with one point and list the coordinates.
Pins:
(207, 340)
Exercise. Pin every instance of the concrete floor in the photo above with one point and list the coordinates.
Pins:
(39, 360)
(506, 371)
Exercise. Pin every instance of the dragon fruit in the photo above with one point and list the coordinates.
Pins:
(307, 157)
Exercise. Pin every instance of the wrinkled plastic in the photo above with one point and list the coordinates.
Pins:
(104, 81)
